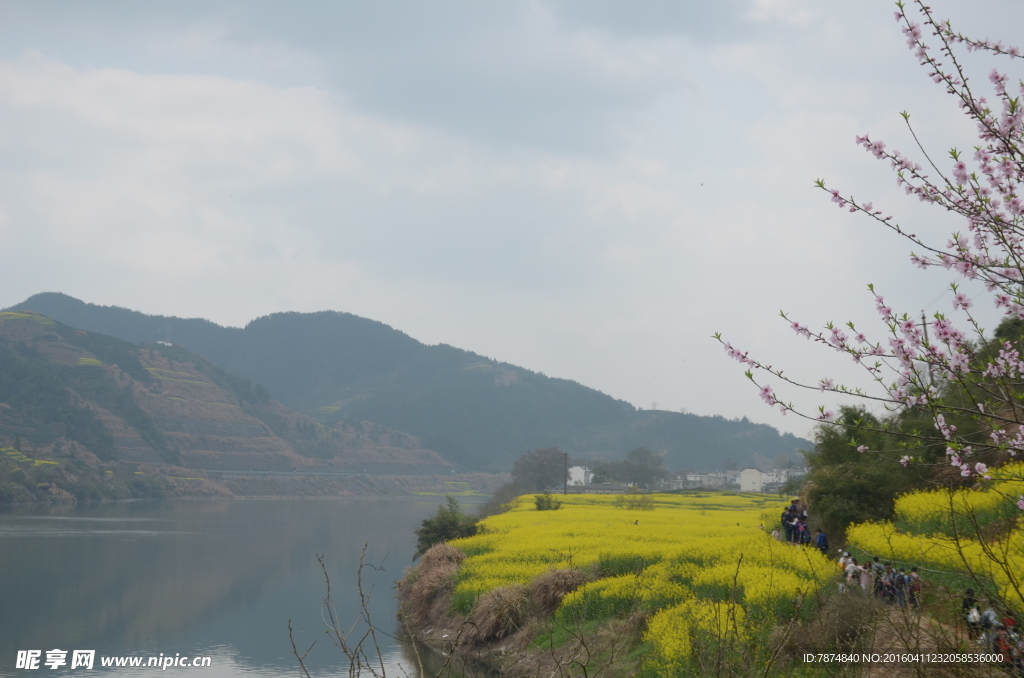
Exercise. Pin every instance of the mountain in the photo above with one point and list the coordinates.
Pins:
(476, 412)
(70, 392)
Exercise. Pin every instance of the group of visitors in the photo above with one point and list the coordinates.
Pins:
(795, 530)
(997, 635)
(894, 586)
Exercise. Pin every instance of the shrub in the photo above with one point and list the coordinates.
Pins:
(545, 502)
(449, 523)
(634, 501)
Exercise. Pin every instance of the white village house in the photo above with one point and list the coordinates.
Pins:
(748, 479)
(579, 475)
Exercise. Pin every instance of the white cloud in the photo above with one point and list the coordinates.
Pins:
(530, 183)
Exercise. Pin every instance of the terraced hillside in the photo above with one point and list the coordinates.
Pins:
(109, 400)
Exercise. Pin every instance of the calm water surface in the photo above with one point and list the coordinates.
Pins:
(198, 578)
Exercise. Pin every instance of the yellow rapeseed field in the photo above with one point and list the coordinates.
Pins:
(697, 562)
(946, 532)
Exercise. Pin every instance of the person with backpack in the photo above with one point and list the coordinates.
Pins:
(900, 584)
(821, 542)
(889, 584)
(879, 572)
(989, 621)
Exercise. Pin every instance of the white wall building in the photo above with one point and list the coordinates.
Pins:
(579, 475)
(750, 480)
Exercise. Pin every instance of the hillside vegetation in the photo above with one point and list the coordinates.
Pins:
(476, 412)
(69, 393)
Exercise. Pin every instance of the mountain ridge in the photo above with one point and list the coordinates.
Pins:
(476, 412)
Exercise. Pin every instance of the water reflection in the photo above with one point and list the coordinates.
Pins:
(200, 578)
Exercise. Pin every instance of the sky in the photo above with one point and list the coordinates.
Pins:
(588, 189)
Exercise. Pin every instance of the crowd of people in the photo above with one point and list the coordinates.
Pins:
(998, 635)
(894, 586)
(795, 530)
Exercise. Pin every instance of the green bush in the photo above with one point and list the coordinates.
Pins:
(449, 523)
(545, 502)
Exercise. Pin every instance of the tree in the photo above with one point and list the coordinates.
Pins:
(602, 472)
(449, 523)
(847, 486)
(964, 385)
(540, 469)
(503, 499)
(643, 467)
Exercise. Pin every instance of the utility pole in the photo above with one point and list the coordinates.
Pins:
(565, 480)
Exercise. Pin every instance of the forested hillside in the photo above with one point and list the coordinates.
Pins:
(98, 398)
(476, 412)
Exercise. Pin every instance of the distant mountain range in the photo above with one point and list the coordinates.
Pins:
(475, 412)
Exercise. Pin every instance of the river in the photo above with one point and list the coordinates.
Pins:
(200, 579)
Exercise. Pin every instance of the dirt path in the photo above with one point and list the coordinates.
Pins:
(909, 631)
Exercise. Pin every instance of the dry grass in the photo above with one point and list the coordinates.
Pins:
(441, 555)
(548, 589)
(845, 622)
(422, 588)
(420, 595)
(498, 614)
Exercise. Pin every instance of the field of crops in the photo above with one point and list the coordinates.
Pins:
(697, 563)
(952, 533)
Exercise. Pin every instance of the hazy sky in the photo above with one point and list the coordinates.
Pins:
(588, 189)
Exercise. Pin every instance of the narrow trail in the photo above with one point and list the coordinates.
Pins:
(909, 631)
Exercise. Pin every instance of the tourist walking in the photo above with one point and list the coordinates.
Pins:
(866, 579)
(914, 590)
(972, 615)
(878, 570)
(821, 542)
(989, 621)
(852, 573)
(900, 584)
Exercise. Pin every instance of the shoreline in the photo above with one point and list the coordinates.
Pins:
(466, 487)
